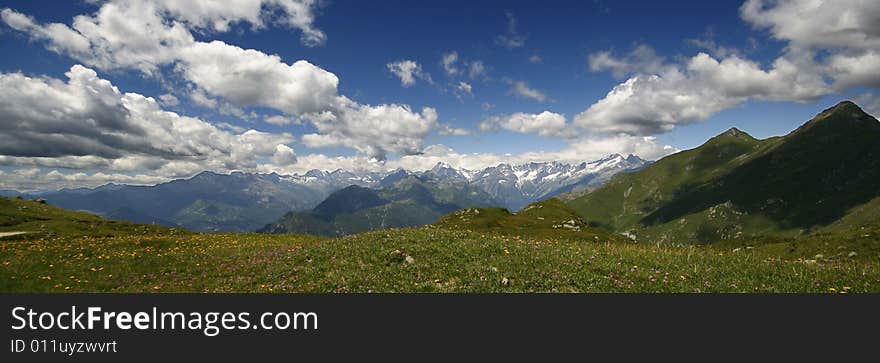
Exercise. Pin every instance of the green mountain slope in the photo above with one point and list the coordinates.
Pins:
(408, 202)
(737, 186)
(41, 220)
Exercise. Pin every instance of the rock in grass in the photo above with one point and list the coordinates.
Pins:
(505, 281)
(396, 256)
(852, 254)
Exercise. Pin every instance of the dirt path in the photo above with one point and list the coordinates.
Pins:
(7, 234)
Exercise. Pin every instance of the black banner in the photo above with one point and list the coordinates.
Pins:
(415, 327)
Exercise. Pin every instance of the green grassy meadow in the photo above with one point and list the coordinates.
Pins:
(427, 259)
(468, 251)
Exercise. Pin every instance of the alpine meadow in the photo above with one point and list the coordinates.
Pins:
(299, 146)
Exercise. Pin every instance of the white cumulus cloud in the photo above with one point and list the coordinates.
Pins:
(544, 124)
(87, 123)
(408, 71)
(641, 59)
(521, 89)
(831, 47)
(227, 77)
(449, 62)
(512, 39)
(373, 130)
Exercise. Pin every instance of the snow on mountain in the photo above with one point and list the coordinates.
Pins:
(243, 201)
(332, 181)
(518, 185)
(515, 186)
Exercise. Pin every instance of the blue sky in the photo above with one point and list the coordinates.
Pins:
(550, 48)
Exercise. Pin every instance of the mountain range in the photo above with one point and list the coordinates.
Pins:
(794, 213)
(212, 202)
(734, 185)
(519, 185)
(410, 201)
(820, 178)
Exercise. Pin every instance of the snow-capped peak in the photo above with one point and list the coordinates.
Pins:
(442, 165)
(513, 185)
(518, 185)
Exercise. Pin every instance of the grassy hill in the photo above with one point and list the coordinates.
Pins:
(548, 219)
(735, 186)
(43, 221)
